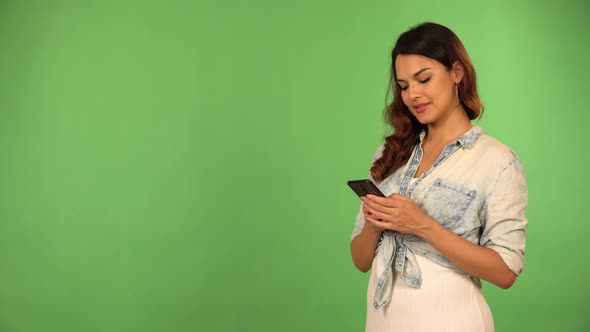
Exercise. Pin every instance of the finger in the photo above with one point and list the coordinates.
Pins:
(383, 210)
(379, 216)
(379, 200)
(400, 197)
(379, 203)
(381, 224)
(365, 209)
(369, 212)
(367, 215)
(375, 206)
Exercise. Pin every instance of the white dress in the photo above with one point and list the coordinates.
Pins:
(446, 302)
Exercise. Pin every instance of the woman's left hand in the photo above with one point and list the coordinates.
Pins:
(397, 213)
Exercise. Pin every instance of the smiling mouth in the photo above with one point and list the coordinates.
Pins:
(420, 108)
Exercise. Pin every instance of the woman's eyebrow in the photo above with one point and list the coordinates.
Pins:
(416, 73)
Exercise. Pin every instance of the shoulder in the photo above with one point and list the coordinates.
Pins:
(498, 162)
(493, 152)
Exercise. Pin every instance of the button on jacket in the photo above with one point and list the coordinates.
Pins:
(476, 188)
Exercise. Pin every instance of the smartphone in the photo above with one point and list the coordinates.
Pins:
(364, 187)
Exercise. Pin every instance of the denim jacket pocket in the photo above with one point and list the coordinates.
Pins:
(446, 202)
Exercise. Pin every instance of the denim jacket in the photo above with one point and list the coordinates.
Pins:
(476, 188)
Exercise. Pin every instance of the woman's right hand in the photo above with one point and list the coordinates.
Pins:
(372, 226)
(363, 246)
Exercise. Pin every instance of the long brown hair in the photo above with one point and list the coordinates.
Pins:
(439, 43)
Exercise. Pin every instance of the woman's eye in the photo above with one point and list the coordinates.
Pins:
(425, 80)
(404, 88)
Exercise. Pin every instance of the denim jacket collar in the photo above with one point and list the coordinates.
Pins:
(466, 140)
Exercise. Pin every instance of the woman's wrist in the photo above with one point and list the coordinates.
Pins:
(428, 229)
(372, 229)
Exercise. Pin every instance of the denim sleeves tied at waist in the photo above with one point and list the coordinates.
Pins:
(393, 251)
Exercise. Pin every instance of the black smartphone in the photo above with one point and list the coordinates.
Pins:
(364, 187)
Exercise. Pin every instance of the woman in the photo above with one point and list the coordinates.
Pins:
(454, 211)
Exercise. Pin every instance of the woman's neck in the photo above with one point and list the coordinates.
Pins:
(449, 128)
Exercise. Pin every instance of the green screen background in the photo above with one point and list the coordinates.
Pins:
(181, 166)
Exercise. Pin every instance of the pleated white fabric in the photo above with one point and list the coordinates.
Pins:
(446, 301)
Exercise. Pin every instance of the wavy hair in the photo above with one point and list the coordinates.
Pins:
(439, 43)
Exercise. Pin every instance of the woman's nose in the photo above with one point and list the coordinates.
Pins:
(414, 91)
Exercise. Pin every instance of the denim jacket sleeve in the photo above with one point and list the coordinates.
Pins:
(360, 218)
(503, 215)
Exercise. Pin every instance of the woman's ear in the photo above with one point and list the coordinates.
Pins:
(457, 72)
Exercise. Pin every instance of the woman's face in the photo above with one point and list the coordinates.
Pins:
(427, 87)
